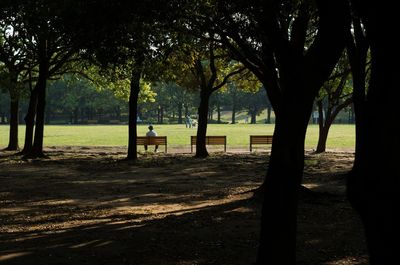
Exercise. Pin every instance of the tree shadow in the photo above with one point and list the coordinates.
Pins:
(162, 210)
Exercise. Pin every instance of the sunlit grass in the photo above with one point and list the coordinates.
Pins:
(340, 136)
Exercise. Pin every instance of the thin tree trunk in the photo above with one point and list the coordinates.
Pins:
(133, 103)
(180, 120)
(323, 130)
(162, 115)
(218, 112)
(201, 149)
(30, 120)
(14, 121)
(37, 148)
(323, 137)
(269, 109)
(234, 114)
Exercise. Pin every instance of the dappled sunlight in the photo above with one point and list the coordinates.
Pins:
(100, 210)
(353, 260)
(9, 256)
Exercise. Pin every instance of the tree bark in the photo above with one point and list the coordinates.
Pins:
(14, 121)
(30, 120)
(281, 187)
(373, 183)
(201, 149)
(133, 103)
(292, 94)
(269, 110)
(37, 147)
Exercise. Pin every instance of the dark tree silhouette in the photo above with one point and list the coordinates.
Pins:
(374, 180)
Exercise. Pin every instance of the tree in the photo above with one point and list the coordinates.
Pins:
(334, 96)
(373, 181)
(209, 68)
(52, 47)
(127, 43)
(254, 103)
(16, 59)
(292, 53)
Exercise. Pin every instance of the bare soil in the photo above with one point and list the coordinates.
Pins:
(88, 206)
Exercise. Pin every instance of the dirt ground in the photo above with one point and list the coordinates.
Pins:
(87, 206)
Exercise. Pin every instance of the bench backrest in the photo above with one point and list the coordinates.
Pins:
(210, 140)
(151, 140)
(261, 139)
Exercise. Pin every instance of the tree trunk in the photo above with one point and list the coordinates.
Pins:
(180, 113)
(218, 112)
(234, 114)
(373, 183)
(30, 120)
(133, 103)
(118, 113)
(269, 110)
(281, 186)
(37, 148)
(14, 121)
(201, 149)
(162, 115)
(323, 128)
(253, 119)
(322, 138)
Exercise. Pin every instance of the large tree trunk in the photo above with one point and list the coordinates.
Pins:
(14, 121)
(133, 103)
(201, 149)
(374, 180)
(281, 187)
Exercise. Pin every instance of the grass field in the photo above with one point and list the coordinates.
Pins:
(341, 137)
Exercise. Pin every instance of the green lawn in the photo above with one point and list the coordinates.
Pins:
(340, 137)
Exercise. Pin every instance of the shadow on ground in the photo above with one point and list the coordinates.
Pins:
(92, 208)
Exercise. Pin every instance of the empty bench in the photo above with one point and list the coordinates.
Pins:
(259, 139)
(210, 140)
(152, 140)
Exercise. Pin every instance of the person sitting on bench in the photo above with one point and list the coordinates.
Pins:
(151, 132)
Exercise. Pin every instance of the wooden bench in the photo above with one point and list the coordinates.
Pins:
(210, 140)
(152, 140)
(260, 139)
